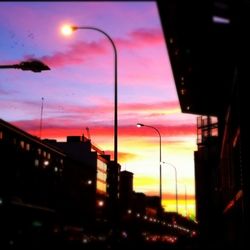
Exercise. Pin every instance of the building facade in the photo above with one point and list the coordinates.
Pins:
(48, 186)
(31, 197)
(85, 176)
(209, 51)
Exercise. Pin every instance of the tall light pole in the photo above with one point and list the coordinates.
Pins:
(143, 125)
(186, 200)
(41, 119)
(67, 30)
(176, 187)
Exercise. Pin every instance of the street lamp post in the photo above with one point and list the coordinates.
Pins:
(67, 30)
(31, 65)
(143, 125)
(186, 200)
(176, 188)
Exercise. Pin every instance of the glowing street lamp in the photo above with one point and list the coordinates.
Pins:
(68, 30)
(143, 125)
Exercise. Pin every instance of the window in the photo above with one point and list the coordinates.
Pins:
(36, 162)
(101, 185)
(39, 151)
(22, 144)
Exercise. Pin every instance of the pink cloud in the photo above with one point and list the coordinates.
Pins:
(80, 51)
(54, 127)
(77, 54)
(71, 117)
(141, 38)
(147, 36)
(103, 106)
(150, 106)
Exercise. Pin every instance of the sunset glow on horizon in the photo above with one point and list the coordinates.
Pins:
(78, 91)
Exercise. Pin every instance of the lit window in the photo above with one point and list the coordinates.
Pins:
(36, 162)
(215, 132)
(39, 151)
(45, 164)
(221, 20)
(48, 155)
(183, 91)
(101, 176)
(1, 135)
(101, 187)
(22, 144)
(89, 182)
(214, 119)
(100, 203)
(28, 147)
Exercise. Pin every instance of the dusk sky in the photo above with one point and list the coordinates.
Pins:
(78, 91)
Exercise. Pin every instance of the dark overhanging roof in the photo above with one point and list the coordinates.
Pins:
(201, 41)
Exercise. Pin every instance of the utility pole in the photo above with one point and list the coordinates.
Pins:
(41, 119)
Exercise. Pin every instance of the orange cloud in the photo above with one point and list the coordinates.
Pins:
(55, 127)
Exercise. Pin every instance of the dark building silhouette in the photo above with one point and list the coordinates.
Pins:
(31, 181)
(113, 196)
(31, 170)
(85, 176)
(60, 193)
(126, 191)
(206, 176)
(136, 202)
(53, 185)
(209, 49)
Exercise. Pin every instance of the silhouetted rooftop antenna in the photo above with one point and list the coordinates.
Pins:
(41, 119)
(88, 134)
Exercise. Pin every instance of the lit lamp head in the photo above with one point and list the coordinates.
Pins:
(67, 30)
(100, 203)
(139, 125)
